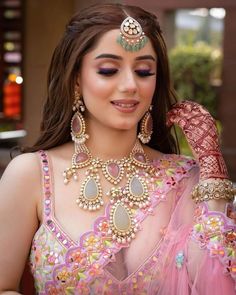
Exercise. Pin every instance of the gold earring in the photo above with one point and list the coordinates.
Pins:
(146, 127)
(78, 126)
(78, 104)
(79, 137)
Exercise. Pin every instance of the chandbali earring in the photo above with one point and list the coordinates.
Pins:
(77, 122)
(146, 127)
(79, 137)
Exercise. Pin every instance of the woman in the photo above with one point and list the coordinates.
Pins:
(123, 220)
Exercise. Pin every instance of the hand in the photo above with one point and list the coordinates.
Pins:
(201, 133)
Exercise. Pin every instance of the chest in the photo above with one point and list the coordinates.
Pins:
(74, 239)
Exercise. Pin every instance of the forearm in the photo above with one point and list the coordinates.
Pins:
(217, 205)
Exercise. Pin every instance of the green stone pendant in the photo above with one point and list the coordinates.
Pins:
(132, 45)
(132, 38)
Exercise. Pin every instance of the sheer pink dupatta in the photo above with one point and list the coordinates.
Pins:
(186, 267)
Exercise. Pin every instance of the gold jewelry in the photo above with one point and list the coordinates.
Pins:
(146, 127)
(77, 122)
(213, 189)
(122, 225)
(133, 194)
(132, 37)
(78, 104)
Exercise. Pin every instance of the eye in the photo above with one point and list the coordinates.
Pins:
(107, 71)
(144, 73)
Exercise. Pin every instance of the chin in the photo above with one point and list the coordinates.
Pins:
(129, 124)
(122, 124)
(126, 126)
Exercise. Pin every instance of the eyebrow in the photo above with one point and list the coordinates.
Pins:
(117, 57)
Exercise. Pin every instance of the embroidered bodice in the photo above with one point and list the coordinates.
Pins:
(96, 264)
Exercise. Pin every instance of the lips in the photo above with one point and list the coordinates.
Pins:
(125, 105)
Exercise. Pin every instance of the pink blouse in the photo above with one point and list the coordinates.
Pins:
(180, 248)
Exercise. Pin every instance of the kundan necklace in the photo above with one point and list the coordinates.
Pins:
(133, 194)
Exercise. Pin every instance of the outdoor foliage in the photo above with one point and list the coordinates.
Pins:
(194, 70)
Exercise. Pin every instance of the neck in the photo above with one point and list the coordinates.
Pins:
(107, 143)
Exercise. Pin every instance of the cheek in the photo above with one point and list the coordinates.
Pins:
(95, 86)
(148, 89)
(95, 83)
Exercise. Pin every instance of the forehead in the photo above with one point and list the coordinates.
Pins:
(108, 44)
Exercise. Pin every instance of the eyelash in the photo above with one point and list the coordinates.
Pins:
(111, 72)
(107, 72)
(144, 73)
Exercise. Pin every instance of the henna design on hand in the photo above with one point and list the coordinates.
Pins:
(201, 133)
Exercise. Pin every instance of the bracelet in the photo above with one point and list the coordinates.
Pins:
(213, 189)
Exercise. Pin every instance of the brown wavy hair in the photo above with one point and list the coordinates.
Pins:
(81, 35)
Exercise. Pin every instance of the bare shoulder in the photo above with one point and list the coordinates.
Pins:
(20, 189)
(23, 167)
(22, 179)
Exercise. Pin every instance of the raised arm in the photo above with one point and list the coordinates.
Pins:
(201, 133)
(19, 195)
(211, 247)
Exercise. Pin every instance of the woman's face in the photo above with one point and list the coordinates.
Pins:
(117, 85)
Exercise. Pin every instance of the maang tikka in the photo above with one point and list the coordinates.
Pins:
(146, 127)
(132, 37)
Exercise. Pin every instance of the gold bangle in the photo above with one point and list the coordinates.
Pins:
(213, 189)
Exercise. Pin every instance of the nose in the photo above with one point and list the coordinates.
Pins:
(128, 83)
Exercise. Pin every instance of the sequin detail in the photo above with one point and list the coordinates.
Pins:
(48, 205)
(79, 268)
(179, 259)
(214, 231)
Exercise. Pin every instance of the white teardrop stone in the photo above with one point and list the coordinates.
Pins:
(91, 190)
(121, 218)
(136, 187)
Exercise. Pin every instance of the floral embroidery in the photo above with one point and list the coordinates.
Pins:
(62, 267)
(214, 231)
(63, 276)
(46, 253)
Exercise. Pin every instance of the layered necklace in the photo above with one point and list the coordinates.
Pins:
(133, 194)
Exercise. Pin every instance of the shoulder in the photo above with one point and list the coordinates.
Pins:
(19, 193)
(173, 168)
(21, 181)
(170, 160)
(24, 166)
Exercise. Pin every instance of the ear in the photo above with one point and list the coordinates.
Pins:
(78, 81)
